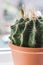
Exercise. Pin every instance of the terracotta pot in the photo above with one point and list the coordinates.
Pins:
(26, 56)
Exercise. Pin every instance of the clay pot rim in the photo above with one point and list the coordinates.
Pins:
(25, 49)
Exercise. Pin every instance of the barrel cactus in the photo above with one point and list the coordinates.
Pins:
(28, 32)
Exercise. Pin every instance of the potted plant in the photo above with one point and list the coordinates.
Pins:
(27, 40)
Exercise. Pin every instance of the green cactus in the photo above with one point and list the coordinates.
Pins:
(28, 32)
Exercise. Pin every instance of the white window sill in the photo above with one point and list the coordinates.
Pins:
(5, 56)
(6, 63)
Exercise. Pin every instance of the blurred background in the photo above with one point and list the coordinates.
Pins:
(9, 12)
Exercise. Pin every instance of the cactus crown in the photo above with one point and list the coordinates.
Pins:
(28, 32)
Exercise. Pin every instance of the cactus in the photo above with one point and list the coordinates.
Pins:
(28, 32)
